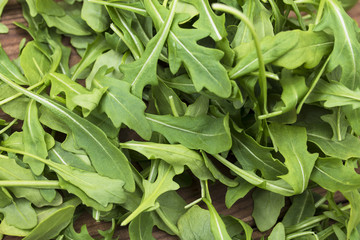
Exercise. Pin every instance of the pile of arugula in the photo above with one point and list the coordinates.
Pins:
(261, 96)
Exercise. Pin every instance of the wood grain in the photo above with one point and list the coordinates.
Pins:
(242, 209)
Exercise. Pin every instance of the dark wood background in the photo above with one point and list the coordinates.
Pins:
(242, 209)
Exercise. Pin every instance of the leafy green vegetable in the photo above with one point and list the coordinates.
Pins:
(260, 97)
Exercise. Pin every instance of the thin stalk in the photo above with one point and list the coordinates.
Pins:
(13, 97)
(313, 84)
(262, 75)
(300, 234)
(169, 224)
(135, 52)
(320, 12)
(173, 107)
(122, 6)
(311, 221)
(8, 126)
(48, 184)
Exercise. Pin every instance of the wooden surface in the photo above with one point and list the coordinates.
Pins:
(242, 209)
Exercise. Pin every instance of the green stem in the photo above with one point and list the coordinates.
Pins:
(135, 52)
(13, 97)
(167, 222)
(254, 179)
(8, 126)
(262, 76)
(31, 184)
(173, 107)
(300, 234)
(313, 84)
(311, 221)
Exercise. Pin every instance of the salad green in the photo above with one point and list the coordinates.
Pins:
(259, 96)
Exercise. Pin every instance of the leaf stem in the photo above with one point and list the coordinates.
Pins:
(8, 126)
(313, 84)
(13, 97)
(135, 52)
(262, 76)
(51, 184)
(311, 221)
(254, 179)
(300, 234)
(168, 223)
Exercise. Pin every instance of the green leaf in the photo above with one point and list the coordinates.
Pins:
(235, 193)
(107, 159)
(345, 149)
(294, 89)
(141, 227)
(95, 16)
(253, 156)
(3, 28)
(235, 227)
(189, 226)
(172, 206)
(215, 24)
(216, 223)
(267, 206)
(176, 155)
(76, 95)
(202, 63)
(10, 70)
(104, 190)
(20, 214)
(302, 207)
(143, 71)
(34, 138)
(164, 183)
(71, 234)
(338, 123)
(203, 132)
(70, 23)
(59, 155)
(283, 50)
(346, 46)
(53, 224)
(354, 199)
(335, 94)
(331, 174)
(259, 16)
(34, 63)
(49, 7)
(278, 233)
(166, 99)
(10, 170)
(92, 52)
(129, 109)
(294, 149)
(218, 175)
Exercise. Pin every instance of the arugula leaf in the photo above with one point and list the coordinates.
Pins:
(297, 159)
(20, 214)
(346, 47)
(75, 93)
(164, 182)
(130, 109)
(189, 227)
(331, 174)
(34, 138)
(209, 134)
(217, 225)
(176, 155)
(267, 206)
(202, 63)
(106, 158)
(143, 71)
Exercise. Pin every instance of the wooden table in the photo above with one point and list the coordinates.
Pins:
(242, 209)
